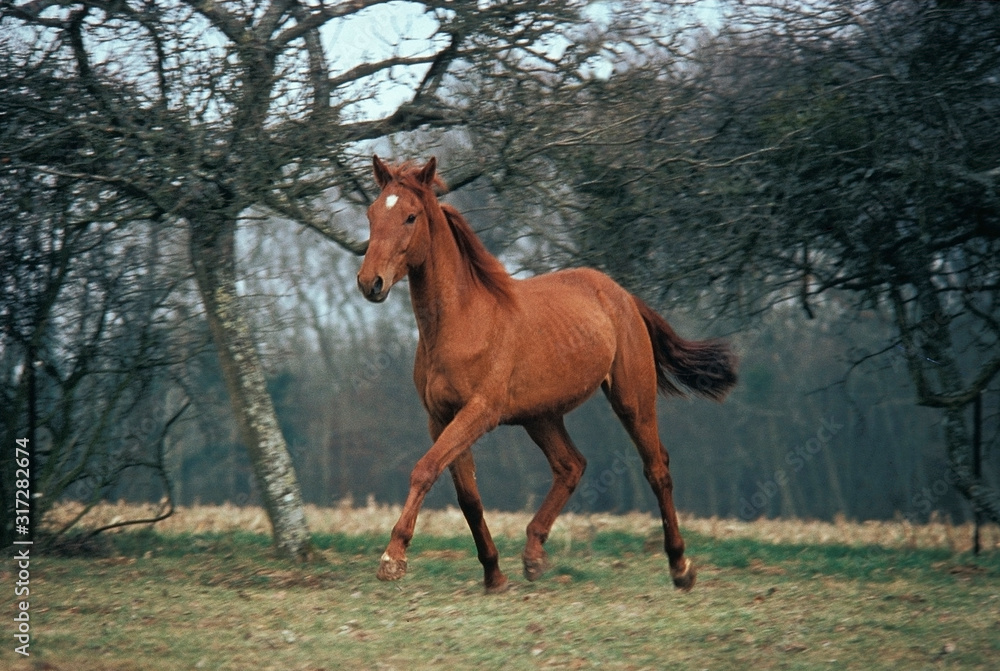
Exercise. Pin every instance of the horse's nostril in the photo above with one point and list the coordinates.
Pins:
(377, 286)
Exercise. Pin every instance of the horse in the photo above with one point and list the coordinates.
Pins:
(494, 349)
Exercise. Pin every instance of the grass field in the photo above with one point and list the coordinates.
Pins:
(198, 593)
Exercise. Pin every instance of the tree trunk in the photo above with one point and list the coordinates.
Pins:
(983, 498)
(212, 255)
(950, 393)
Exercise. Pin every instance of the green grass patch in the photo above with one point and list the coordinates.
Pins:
(155, 602)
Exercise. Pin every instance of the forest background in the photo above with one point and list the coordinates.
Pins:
(183, 194)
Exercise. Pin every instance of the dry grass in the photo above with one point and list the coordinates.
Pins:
(771, 595)
(373, 518)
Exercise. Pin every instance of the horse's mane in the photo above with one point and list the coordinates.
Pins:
(483, 266)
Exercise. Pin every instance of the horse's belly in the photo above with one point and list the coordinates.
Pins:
(559, 375)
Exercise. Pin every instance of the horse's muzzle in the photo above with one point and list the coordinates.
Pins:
(376, 291)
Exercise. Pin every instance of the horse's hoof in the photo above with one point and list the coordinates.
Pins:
(684, 578)
(534, 568)
(391, 569)
(497, 586)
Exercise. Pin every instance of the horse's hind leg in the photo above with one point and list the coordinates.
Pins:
(635, 405)
(567, 468)
(463, 473)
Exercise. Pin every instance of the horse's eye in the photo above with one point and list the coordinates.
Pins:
(412, 218)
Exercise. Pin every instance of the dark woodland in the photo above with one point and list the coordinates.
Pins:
(182, 195)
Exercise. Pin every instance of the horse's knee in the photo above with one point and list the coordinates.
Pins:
(423, 476)
(570, 471)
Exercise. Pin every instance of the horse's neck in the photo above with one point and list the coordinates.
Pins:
(440, 288)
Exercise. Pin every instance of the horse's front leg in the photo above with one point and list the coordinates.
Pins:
(471, 422)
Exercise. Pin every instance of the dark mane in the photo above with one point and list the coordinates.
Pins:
(483, 266)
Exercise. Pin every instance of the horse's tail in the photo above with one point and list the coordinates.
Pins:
(705, 368)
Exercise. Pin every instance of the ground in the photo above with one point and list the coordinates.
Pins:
(199, 594)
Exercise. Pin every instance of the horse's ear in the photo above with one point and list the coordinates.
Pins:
(382, 174)
(426, 174)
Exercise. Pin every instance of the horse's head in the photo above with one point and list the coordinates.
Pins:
(400, 236)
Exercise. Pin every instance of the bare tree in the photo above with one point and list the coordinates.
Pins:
(205, 111)
(86, 311)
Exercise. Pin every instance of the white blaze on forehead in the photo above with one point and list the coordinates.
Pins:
(390, 201)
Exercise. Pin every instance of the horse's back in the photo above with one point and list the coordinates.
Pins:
(566, 333)
(598, 297)
(582, 281)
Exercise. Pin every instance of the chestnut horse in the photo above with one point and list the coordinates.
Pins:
(498, 350)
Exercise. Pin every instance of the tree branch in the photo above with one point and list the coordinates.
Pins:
(31, 12)
(405, 118)
(313, 19)
(367, 69)
(292, 210)
(221, 18)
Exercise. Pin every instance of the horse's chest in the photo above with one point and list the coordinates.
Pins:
(449, 382)
(440, 396)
